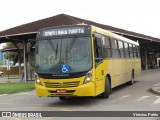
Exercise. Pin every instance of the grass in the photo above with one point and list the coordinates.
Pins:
(9, 88)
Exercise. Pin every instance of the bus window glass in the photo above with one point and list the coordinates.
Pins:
(126, 50)
(74, 52)
(115, 50)
(120, 44)
(107, 48)
(98, 50)
(131, 51)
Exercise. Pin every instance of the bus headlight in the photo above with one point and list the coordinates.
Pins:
(37, 80)
(88, 77)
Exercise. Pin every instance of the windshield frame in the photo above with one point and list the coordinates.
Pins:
(67, 75)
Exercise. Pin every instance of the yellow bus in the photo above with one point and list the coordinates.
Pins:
(83, 60)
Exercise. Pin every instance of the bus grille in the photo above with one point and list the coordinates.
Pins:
(61, 84)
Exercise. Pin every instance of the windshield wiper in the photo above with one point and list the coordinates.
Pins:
(56, 51)
(52, 46)
(71, 44)
(66, 52)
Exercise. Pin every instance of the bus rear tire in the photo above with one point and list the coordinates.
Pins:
(131, 82)
(62, 98)
(107, 89)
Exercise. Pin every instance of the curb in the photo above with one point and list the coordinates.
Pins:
(156, 88)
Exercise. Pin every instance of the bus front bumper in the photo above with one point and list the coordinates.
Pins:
(87, 89)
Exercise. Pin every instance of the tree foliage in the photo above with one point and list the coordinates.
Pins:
(11, 56)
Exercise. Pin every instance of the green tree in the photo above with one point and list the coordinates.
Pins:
(10, 55)
(1, 62)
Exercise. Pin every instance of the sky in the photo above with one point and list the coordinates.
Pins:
(140, 16)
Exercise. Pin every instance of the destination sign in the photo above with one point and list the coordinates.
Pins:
(77, 30)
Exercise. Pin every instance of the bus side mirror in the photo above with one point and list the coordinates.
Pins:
(31, 43)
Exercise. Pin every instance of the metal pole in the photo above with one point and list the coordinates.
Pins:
(8, 66)
(25, 63)
(19, 57)
(19, 62)
(146, 61)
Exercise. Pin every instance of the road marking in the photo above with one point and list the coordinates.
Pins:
(125, 96)
(143, 97)
(3, 95)
(157, 101)
(25, 93)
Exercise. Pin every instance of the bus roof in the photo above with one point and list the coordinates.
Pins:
(113, 35)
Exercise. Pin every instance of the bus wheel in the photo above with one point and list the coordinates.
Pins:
(132, 79)
(62, 98)
(107, 89)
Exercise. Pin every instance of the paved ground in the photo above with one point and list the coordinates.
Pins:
(124, 98)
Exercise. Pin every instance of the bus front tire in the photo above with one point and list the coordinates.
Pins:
(107, 89)
(62, 98)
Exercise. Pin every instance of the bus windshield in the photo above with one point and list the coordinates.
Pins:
(61, 56)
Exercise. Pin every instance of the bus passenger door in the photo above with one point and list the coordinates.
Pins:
(99, 67)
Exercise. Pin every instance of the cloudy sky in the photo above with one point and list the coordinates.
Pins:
(141, 16)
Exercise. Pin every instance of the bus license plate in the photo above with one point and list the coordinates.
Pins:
(61, 91)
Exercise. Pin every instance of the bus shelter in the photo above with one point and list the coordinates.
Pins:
(149, 46)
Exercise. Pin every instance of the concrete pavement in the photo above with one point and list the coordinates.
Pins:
(156, 87)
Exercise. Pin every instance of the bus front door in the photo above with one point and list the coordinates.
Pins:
(99, 67)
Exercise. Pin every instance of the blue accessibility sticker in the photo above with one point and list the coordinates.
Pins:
(65, 68)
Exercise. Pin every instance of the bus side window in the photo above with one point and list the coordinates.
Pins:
(98, 50)
(126, 50)
(107, 48)
(131, 51)
(121, 48)
(115, 49)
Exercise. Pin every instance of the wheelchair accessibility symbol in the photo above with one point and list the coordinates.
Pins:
(65, 68)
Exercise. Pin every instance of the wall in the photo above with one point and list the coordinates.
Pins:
(13, 71)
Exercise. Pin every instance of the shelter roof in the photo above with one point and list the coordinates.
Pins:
(63, 19)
